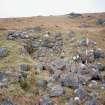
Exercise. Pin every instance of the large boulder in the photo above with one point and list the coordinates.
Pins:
(3, 52)
(56, 90)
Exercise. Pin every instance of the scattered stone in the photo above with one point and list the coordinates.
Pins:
(3, 52)
(45, 100)
(56, 90)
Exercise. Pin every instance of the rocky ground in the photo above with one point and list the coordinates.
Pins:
(54, 60)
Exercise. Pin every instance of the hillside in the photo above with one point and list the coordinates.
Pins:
(36, 57)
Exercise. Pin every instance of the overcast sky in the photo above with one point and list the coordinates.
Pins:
(17, 8)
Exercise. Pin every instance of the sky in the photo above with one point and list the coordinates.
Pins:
(24, 8)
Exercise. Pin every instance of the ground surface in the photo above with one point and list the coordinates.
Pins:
(63, 24)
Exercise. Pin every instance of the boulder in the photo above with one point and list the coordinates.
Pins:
(45, 100)
(56, 90)
(3, 52)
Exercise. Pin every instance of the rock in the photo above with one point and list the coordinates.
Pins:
(56, 90)
(95, 75)
(3, 52)
(80, 92)
(91, 101)
(100, 22)
(70, 80)
(24, 67)
(41, 83)
(33, 29)
(93, 84)
(70, 102)
(98, 53)
(74, 14)
(99, 66)
(7, 102)
(86, 42)
(84, 25)
(58, 64)
(45, 100)
(3, 79)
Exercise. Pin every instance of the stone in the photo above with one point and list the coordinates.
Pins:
(80, 92)
(3, 52)
(24, 67)
(70, 80)
(98, 53)
(86, 42)
(35, 29)
(93, 84)
(45, 100)
(99, 66)
(70, 102)
(91, 101)
(7, 102)
(100, 22)
(58, 64)
(74, 14)
(95, 75)
(56, 90)
(41, 83)
(3, 79)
